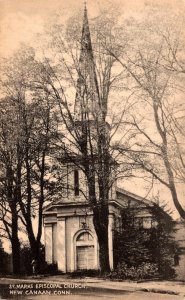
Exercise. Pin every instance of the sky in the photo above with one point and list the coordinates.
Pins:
(22, 20)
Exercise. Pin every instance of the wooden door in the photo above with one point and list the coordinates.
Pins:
(85, 257)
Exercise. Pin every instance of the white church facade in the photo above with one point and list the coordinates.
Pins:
(70, 238)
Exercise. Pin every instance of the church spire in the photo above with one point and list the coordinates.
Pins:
(87, 95)
(86, 37)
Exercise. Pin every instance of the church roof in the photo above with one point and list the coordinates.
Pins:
(134, 197)
(119, 201)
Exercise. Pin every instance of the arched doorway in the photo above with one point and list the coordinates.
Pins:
(85, 251)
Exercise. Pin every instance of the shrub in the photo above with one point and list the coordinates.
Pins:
(51, 268)
(143, 271)
(26, 261)
(25, 253)
(144, 252)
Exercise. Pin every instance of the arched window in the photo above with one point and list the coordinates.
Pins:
(84, 236)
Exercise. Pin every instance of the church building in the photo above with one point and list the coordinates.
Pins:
(70, 237)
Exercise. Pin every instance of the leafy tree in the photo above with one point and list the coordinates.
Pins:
(10, 162)
(28, 126)
(136, 246)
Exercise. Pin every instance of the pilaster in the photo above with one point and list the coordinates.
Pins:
(48, 231)
(61, 244)
(110, 237)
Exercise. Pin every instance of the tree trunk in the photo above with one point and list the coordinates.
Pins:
(14, 222)
(100, 220)
(168, 166)
(104, 256)
(15, 241)
(98, 196)
(101, 228)
(172, 187)
(34, 244)
(15, 252)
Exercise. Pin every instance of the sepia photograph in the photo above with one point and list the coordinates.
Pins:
(92, 149)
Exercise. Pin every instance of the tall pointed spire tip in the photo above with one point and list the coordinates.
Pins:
(85, 5)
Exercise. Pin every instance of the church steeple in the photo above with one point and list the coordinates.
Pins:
(87, 94)
(86, 45)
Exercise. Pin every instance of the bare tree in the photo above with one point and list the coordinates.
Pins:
(158, 150)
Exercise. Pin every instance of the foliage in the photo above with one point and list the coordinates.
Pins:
(26, 260)
(142, 250)
(143, 271)
(50, 269)
(27, 127)
(4, 258)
